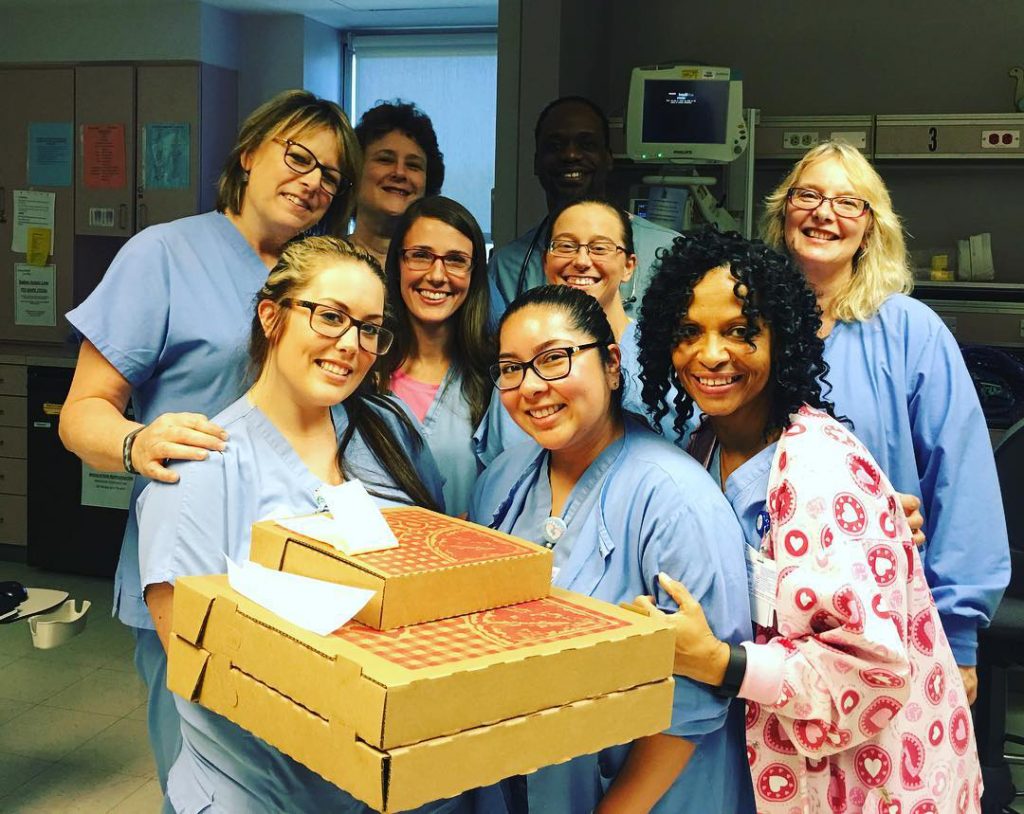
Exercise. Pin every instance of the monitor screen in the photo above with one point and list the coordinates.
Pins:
(686, 111)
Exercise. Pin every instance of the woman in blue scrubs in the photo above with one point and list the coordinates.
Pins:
(166, 327)
(617, 505)
(897, 373)
(437, 288)
(309, 420)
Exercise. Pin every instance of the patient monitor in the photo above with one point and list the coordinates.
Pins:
(690, 114)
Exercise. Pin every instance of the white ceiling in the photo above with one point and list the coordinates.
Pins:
(377, 13)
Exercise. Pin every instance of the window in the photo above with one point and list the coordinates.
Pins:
(450, 77)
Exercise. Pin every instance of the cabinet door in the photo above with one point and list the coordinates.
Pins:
(167, 169)
(105, 132)
(35, 96)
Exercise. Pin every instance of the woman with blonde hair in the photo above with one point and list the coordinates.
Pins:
(309, 421)
(897, 373)
(166, 328)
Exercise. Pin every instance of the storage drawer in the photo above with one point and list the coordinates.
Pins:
(12, 380)
(13, 520)
(13, 442)
(13, 411)
(13, 476)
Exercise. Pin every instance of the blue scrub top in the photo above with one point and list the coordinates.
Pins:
(172, 315)
(448, 429)
(188, 528)
(902, 380)
(652, 508)
(507, 262)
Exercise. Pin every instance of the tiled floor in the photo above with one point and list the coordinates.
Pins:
(72, 719)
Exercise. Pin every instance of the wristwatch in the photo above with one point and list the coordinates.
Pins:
(735, 671)
(126, 451)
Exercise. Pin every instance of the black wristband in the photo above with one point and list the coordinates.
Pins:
(126, 451)
(735, 671)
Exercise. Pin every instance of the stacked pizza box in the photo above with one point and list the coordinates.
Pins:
(467, 666)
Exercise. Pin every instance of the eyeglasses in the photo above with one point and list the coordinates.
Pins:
(596, 248)
(300, 159)
(551, 364)
(845, 206)
(420, 259)
(332, 323)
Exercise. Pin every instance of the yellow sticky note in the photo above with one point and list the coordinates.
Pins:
(38, 245)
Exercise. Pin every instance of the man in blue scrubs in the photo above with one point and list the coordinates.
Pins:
(571, 161)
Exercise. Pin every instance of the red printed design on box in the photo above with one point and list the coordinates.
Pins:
(428, 541)
(480, 634)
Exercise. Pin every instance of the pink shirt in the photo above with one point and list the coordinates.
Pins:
(854, 699)
(418, 395)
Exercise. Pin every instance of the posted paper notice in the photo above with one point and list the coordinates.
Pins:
(31, 209)
(35, 300)
(103, 156)
(107, 490)
(167, 155)
(49, 153)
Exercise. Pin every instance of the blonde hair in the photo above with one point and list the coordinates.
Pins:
(880, 268)
(294, 113)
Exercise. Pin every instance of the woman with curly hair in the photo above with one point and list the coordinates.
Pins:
(898, 374)
(437, 288)
(402, 163)
(616, 504)
(854, 702)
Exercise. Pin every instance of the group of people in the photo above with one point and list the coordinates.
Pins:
(672, 415)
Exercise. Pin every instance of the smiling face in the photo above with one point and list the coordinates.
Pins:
(599, 277)
(434, 295)
(278, 201)
(726, 376)
(823, 244)
(572, 416)
(572, 159)
(394, 174)
(312, 370)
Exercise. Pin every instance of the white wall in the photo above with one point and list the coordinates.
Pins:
(322, 60)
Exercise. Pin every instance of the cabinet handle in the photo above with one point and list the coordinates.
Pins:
(3, 204)
(123, 216)
(143, 216)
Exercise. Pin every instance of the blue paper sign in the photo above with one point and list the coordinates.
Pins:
(50, 146)
(167, 156)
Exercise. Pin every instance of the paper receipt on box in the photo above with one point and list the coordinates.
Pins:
(762, 581)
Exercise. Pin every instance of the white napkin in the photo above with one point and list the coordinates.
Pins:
(312, 604)
(356, 525)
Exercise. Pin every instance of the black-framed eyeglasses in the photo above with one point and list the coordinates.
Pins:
(551, 364)
(418, 258)
(845, 206)
(596, 248)
(299, 158)
(332, 323)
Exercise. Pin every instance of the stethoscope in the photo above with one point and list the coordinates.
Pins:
(542, 229)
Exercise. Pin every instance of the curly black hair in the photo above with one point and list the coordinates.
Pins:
(773, 292)
(406, 118)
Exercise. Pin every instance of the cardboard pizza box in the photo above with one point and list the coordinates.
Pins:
(409, 776)
(442, 567)
(399, 687)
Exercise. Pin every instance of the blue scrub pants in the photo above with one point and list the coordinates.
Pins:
(162, 715)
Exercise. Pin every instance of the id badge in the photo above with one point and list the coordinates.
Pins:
(762, 581)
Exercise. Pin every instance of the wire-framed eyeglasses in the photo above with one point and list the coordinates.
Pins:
(550, 365)
(332, 323)
(563, 247)
(845, 206)
(418, 258)
(299, 158)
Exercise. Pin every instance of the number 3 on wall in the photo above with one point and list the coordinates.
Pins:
(933, 139)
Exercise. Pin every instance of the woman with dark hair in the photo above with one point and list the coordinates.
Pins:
(854, 701)
(899, 375)
(309, 421)
(437, 287)
(166, 327)
(617, 505)
(402, 164)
